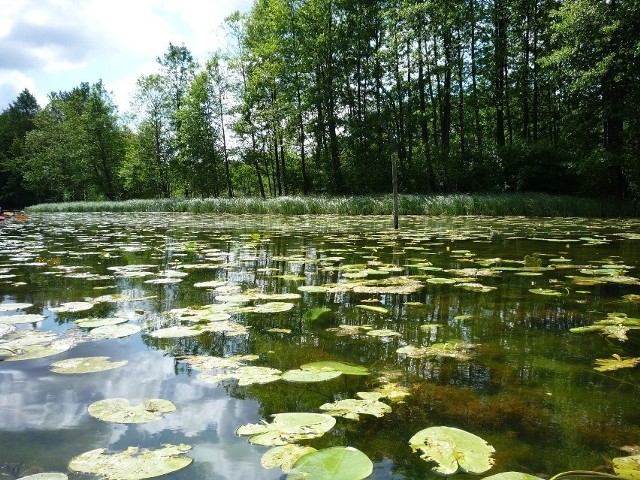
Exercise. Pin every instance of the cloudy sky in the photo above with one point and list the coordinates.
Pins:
(54, 45)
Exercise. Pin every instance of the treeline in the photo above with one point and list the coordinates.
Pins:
(316, 96)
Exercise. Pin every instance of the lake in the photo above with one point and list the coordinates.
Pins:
(459, 322)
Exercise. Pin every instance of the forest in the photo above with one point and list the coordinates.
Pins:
(315, 97)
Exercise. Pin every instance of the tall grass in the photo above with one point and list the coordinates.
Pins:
(518, 204)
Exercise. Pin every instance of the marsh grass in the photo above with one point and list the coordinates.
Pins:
(519, 204)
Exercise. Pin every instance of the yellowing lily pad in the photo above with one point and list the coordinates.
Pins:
(627, 467)
(273, 307)
(288, 428)
(352, 408)
(546, 291)
(119, 410)
(310, 376)
(115, 331)
(99, 322)
(335, 463)
(346, 368)
(284, 456)
(21, 318)
(175, 332)
(132, 464)
(453, 450)
(69, 307)
(512, 476)
(46, 476)
(615, 363)
(32, 344)
(203, 362)
(245, 376)
(85, 365)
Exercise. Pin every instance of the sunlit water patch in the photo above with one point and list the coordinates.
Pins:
(520, 332)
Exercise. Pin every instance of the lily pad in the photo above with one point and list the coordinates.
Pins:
(383, 333)
(175, 332)
(615, 363)
(32, 344)
(21, 318)
(288, 428)
(512, 476)
(284, 456)
(352, 408)
(115, 331)
(119, 410)
(310, 376)
(315, 313)
(245, 376)
(8, 307)
(335, 463)
(132, 464)
(546, 291)
(627, 467)
(85, 365)
(453, 450)
(203, 362)
(373, 308)
(273, 307)
(99, 322)
(346, 368)
(70, 307)
(46, 476)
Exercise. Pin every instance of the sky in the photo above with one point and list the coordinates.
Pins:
(54, 45)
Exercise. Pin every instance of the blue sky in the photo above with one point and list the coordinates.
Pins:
(54, 45)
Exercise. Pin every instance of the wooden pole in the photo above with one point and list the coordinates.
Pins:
(394, 175)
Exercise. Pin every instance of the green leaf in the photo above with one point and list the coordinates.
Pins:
(335, 463)
(284, 456)
(315, 313)
(352, 408)
(453, 449)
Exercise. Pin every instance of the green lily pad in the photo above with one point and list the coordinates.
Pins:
(373, 308)
(85, 365)
(335, 463)
(119, 410)
(627, 467)
(288, 428)
(315, 314)
(132, 464)
(284, 456)
(346, 368)
(442, 281)
(115, 331)
(352, 408)
(310, 376)
(229, 328)
(313, 288)
(615, 363)
(99, 322)
(210, 284)
(453, 450)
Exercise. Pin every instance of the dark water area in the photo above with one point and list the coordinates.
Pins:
(506, 289)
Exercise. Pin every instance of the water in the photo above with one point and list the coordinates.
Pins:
(529, 387)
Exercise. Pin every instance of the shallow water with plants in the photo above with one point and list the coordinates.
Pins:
(219, 345)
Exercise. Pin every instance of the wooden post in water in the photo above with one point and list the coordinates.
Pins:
(394, 175)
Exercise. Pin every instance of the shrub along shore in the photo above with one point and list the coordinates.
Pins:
(515, 204)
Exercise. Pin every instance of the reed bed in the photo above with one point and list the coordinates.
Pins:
(513, 204)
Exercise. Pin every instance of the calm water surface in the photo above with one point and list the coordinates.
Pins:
(528, 387)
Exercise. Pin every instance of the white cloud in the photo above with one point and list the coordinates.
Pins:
(60, 43)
